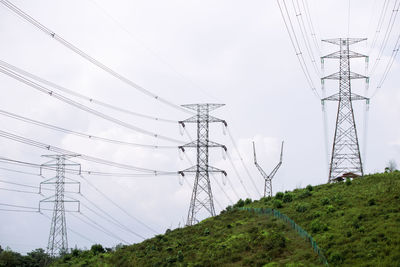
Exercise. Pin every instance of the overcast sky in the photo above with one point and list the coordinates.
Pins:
(233, 52)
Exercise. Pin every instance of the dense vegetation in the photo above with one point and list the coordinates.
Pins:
(36, 258)
(355, 222)
(236, 238)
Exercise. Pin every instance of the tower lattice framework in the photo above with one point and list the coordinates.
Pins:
(345, 157)
(202, 197)
(58, 240)
(267, 177)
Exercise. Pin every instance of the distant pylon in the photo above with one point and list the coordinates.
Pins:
(345, 157)
(267, 177)
(58, 241)
(202, 194)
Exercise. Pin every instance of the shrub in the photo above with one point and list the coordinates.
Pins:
(371, 202)
(180, 256)
(288, 197)
(348, 181)
(305, 193)
(239, 204)
(317, 226)
(336, 258)
(330, 209)
(247, 201)
(97, 249)
(279, 195)
(325, 201)
(277, 204)
(206, 231)
(301, 207)
(309, 187)
(168, 231)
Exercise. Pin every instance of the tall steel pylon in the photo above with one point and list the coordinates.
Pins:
(202, 196)
(345, 157)
(58, 241)
(267, 177)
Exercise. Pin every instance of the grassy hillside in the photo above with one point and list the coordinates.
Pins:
(356, 223)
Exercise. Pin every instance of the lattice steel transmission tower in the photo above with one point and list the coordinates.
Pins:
(58, 241)
(267, 177)
(202, 196)
(345, 157)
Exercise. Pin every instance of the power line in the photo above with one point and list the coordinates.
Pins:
(89, 136)
(110, 219)
(386, 37)
(80, 106)
(295, 44)
(31, 142)
(18, 206)
(75, 49)
(118, 206)
(311, 25)
(72, 171)
(19, 191)
(388, 66)
(155, 54)
(379, 26)
(242, 161)
(87, 98)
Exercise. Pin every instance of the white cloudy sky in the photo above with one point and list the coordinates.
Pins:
(232, 52)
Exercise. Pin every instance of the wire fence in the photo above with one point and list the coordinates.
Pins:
(303, 233)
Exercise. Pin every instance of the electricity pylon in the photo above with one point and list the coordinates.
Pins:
(345, 157)
(267, 177)
(202, 194)
(58, 241)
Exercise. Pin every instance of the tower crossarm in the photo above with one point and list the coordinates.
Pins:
(338, 75)
(201, 143)
(348, 53)
(209, 169)
(344, 41)
(353, 97)
(196, 119)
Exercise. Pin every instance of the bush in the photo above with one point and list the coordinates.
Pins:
(301, 207)
(348, 181)
(279, 195)
(239, 204)
(330, 209)
(305, 193)
(288, 197)
(206, 231)
(97, 249)
(277, 204)
(325, 201)
(180, 256)
(336, 258)
(309, 187)
(247, 201)
(317, 226)
(371, 202)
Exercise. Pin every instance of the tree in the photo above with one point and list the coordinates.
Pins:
(391, 166)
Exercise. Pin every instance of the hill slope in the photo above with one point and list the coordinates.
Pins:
(356, 223)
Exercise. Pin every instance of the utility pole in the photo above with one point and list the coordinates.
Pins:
(345, 157)
(58, 241)
(202, 194)
(267, 177)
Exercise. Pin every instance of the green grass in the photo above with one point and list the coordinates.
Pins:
(356, 223)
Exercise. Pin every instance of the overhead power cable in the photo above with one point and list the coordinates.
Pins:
(311, 25)
(379, 26)
(73, 231)
(31, 142)
(118, 206)
(386, 37)
(19, 191)
(109, 218)
(18, 206)
(84, 55)
(87, 98)
(74, 171)
(242, 161)
(80, 106)
(89, 136)
(296, 46)
(305, 37)
(388, 66)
